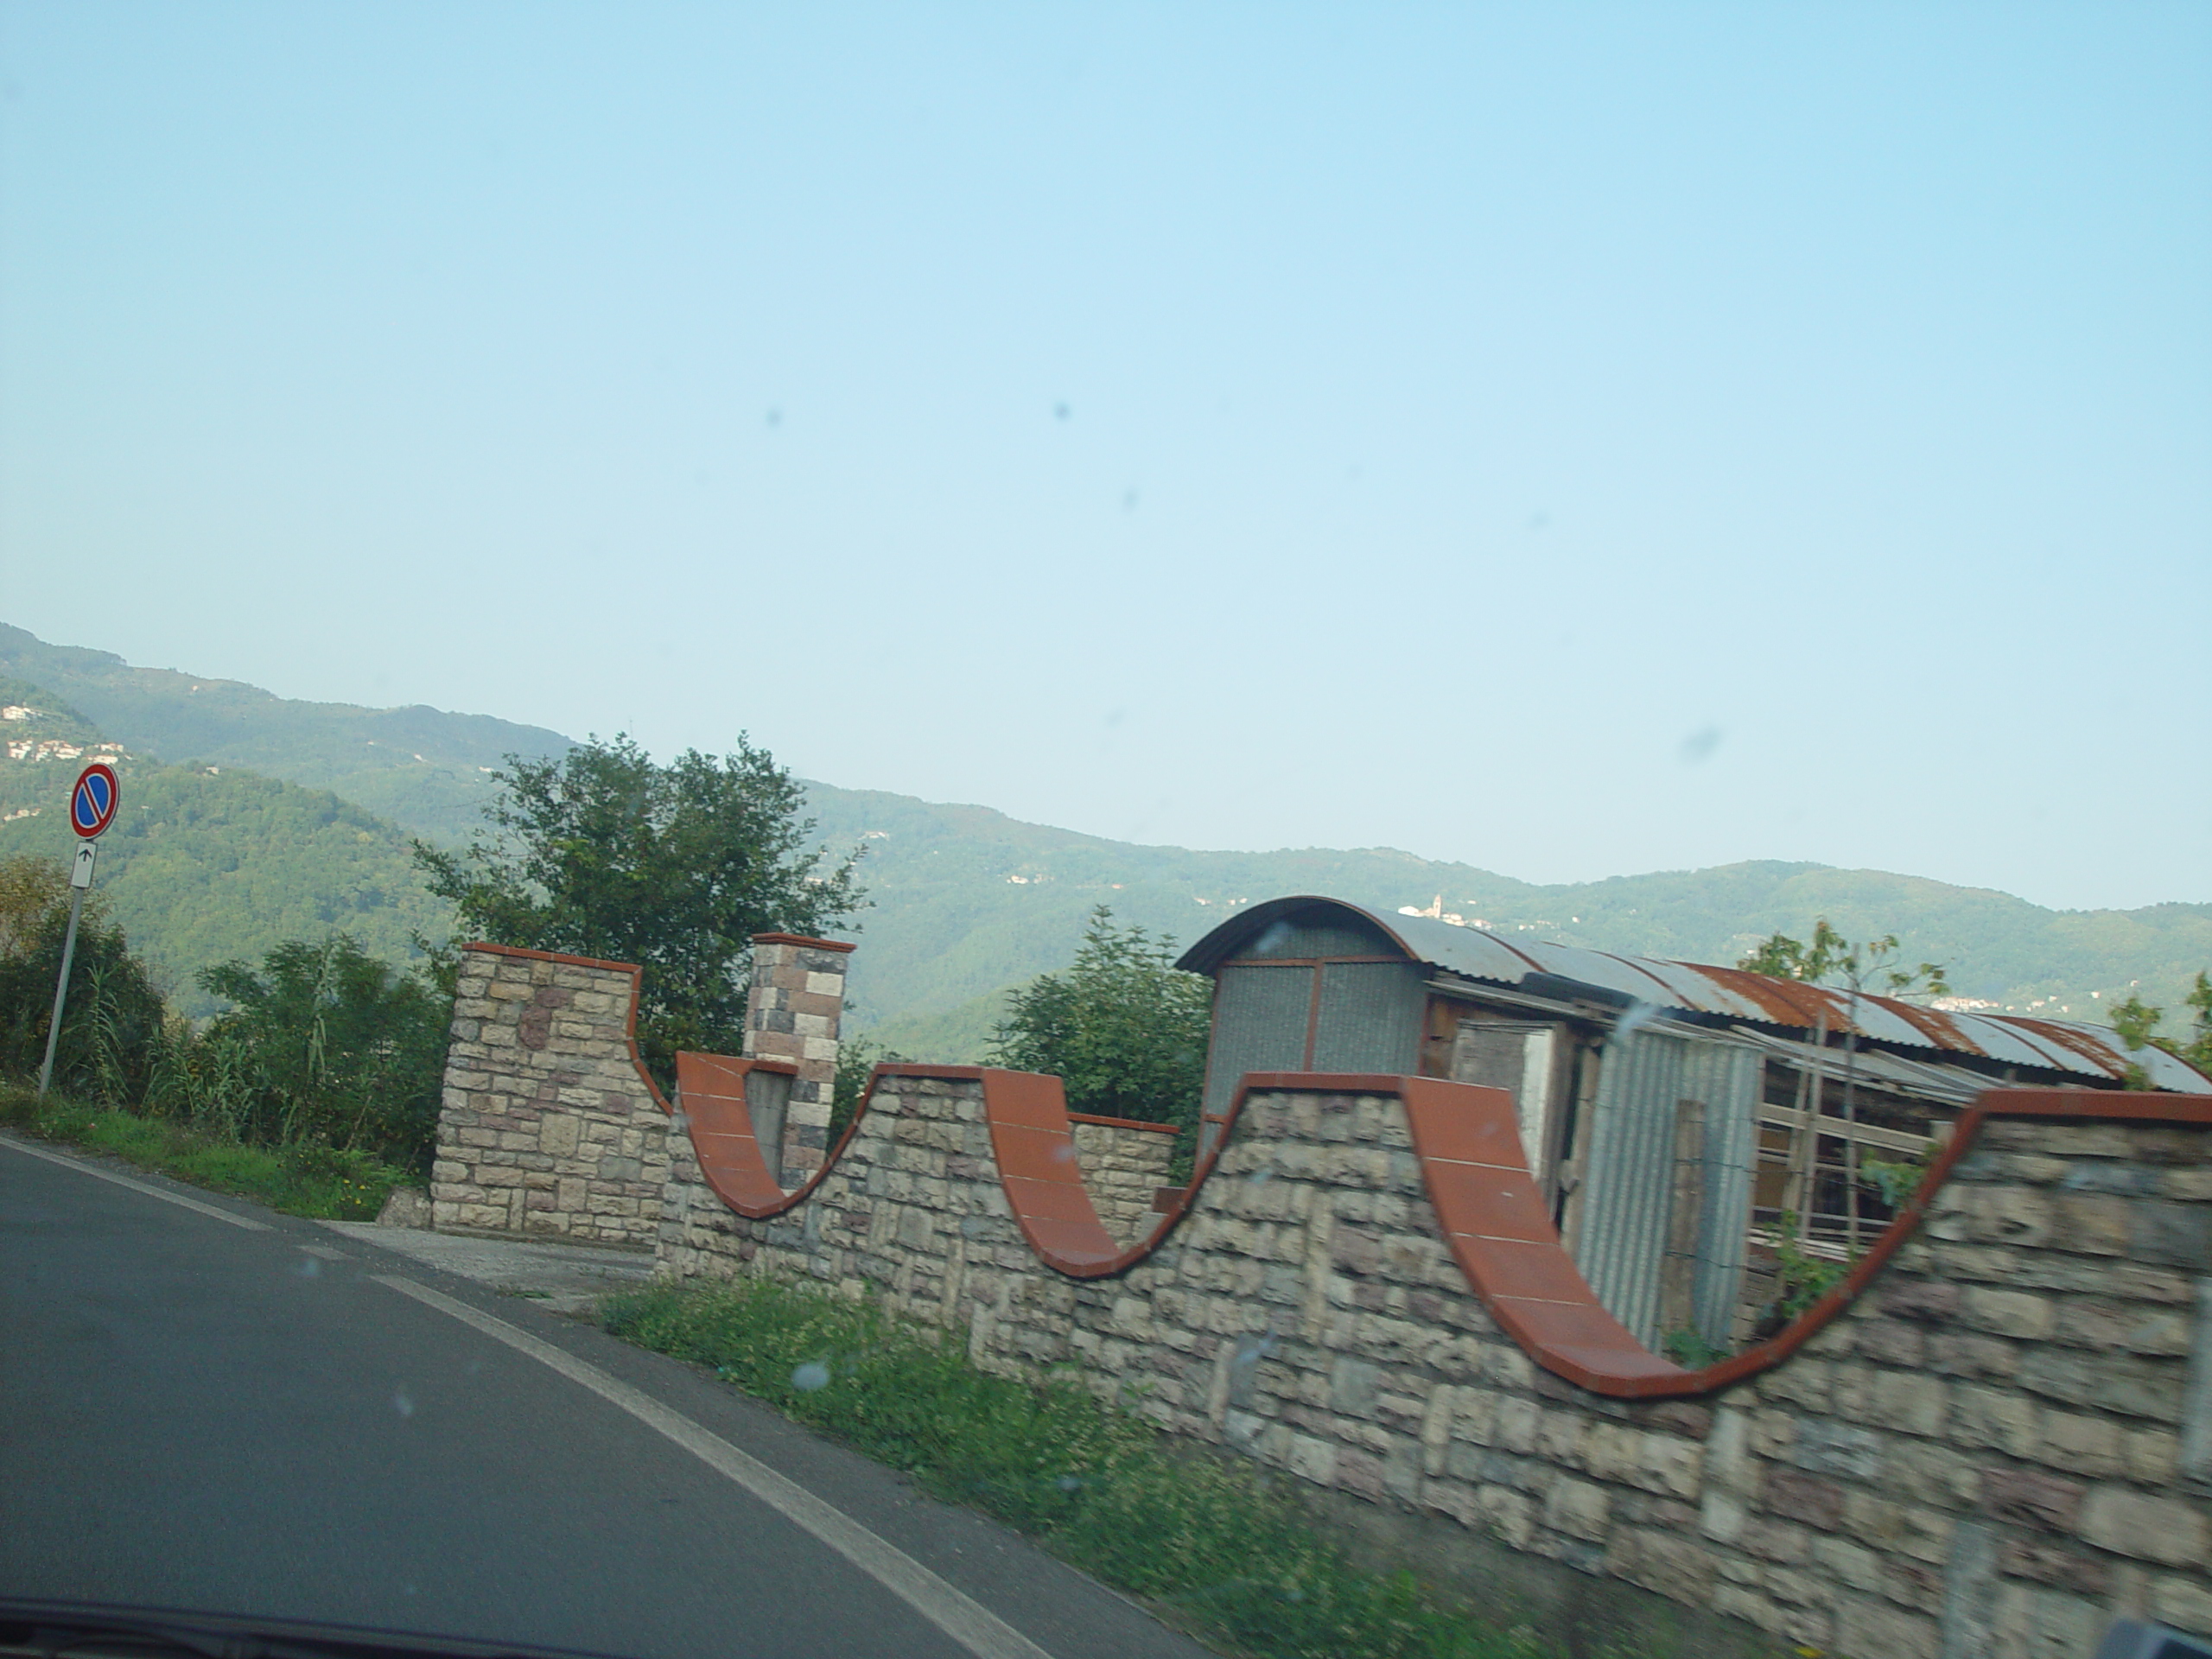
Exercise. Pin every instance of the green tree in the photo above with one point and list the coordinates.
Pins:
(321, 1043)
(1829, 955)
(603, 853)
(1123, 1030)
(2137, 1023)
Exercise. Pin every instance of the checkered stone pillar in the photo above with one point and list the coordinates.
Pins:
(798, 995)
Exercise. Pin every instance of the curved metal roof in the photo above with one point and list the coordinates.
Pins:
(1733, 993)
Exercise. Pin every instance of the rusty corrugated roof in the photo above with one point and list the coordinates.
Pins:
(1736, 993)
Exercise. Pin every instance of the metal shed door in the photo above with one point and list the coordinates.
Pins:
(1259, 1025)
(1667, 1182)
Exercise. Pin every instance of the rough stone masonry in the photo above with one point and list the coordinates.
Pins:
(2003, 1444)
(792, 1012)
(549, 1123)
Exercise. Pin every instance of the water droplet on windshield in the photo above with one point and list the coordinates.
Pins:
(810, 1376)
(401, 1402)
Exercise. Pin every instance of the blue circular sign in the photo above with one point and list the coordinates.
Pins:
(92, 803)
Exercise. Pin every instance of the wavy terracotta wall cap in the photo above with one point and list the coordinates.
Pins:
(629, 968)
(802, 940)
(2101, 1104)
(1466, 1137)
(1560, 1332)
(1122, 1124)
(1034, 1145)
(1493, 1217)
(719, 1120)
(1032, 1142)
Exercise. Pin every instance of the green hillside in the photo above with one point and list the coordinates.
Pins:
(959, 1036)
(419, 767)
(208, 863)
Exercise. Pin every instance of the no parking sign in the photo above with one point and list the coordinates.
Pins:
(91, 809)
(92, 803)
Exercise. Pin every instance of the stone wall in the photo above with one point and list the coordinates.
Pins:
(1124, 1163)
(1998, 1439)
(1999, 1445)
(549, 1124)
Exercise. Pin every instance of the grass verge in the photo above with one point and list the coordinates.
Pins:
(315, 1181)
(1207, 1541)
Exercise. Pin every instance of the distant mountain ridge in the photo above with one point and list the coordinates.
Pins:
(970, 900)
(423, 767)
(967, 900)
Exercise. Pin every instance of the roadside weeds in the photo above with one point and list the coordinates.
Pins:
(311, 1180)
(1214, 1547)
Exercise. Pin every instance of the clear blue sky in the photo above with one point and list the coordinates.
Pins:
(1575, 439)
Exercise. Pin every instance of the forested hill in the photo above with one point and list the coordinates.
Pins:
(420, 767)
(207, 863)
(970, 900)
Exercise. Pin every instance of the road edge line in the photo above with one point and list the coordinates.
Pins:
(147, 1187)
(958, 1614)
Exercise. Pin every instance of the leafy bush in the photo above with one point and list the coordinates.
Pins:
(323, 1044)
(1804, 1279)
(1123, 1029)
(1896, 1178)
(1689, 1349)
(113, 1026)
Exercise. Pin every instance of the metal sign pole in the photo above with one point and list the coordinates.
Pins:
(80, 881)
(92, 803)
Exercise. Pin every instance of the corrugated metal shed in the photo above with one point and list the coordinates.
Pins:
(1562, 971)
(1629, 1208)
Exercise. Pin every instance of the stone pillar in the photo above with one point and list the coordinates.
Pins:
(549, 1124)
(796, 1000)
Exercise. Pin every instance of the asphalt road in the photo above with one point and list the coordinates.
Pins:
(200, 1416)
